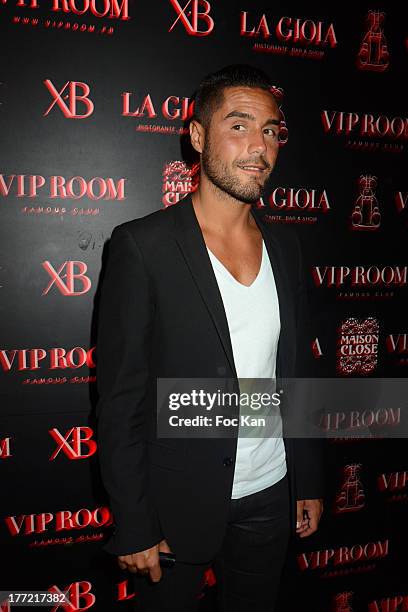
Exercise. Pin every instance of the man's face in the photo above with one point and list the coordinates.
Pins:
(241, 143)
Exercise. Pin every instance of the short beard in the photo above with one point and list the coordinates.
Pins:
(218, 174)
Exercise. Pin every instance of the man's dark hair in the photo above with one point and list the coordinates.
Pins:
(209, 95)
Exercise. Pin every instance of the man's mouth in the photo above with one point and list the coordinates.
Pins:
(253, 168)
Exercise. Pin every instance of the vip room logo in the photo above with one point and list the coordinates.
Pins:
(335, 559)
(357, 346)
(366, 214)
(350, 497)
(61, 187)
(395, 485)
(389, 604)
(34, 359)
(68, 15)
(397, 346)
(342, 602)
(179, 180)
(194, 16)
(373, 53)
(366, 131)
(291, 36)
(58, 522)
(400, 199)
(361, 282)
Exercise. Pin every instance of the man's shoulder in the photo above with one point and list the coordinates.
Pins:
(153, 226)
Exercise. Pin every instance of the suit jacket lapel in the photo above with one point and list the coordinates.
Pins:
(191, 242)
(287, 338)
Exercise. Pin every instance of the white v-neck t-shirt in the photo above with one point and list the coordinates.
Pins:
(254, 324)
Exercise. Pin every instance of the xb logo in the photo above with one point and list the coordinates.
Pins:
(68, 287)
(190, 16)
(76, 92)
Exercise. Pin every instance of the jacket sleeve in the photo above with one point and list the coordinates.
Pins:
(308, 452)
(124, 329)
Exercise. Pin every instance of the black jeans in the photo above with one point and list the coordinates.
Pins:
(247, 568)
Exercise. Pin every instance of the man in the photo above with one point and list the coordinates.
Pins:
(206, 289)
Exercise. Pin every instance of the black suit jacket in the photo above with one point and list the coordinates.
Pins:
(161, 315)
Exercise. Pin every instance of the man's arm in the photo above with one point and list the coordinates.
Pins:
(123, 346)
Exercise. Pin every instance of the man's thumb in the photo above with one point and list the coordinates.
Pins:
(164, 547)
(299, 516)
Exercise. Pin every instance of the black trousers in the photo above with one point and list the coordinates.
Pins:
(247, 568)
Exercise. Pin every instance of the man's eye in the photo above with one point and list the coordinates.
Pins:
(238, 127)
(270, 132)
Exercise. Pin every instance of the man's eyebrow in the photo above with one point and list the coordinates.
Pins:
(242, 115)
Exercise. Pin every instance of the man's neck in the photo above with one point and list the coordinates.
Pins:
(219, 213)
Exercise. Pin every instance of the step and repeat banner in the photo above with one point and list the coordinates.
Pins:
(95, 97)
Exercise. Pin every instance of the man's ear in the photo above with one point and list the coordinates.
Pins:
(197, 135)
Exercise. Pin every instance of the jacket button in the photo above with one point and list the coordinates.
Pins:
(221, 370)
(228, 461)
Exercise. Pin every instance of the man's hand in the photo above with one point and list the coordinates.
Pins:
(146, 561)
(309, 512)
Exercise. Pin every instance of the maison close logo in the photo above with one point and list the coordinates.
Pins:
(342, 602)
(357, 346)
(179, 180)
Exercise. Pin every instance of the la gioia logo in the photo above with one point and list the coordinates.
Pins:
(295, 204)
(291, 36)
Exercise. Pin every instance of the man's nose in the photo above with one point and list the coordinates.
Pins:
(257, 143)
